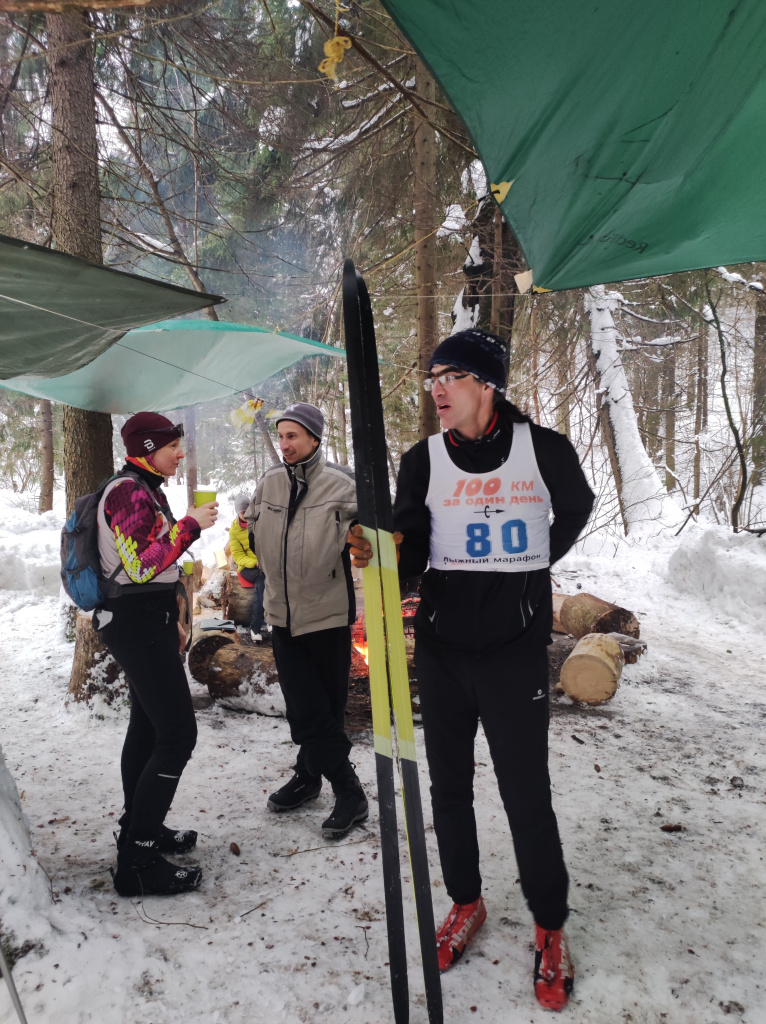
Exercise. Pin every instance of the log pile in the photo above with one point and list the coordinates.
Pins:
(600, 639)
(243, 678)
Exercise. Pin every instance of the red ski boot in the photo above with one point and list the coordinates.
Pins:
(462, 923)
(554, 970)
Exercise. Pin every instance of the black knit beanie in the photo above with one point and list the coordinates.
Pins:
(478, 352)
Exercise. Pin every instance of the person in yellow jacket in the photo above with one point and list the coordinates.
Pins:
(249, 572)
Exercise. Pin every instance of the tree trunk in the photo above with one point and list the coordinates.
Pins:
(591, 673)
(651, 403)
(46, 438)
(76, 229)
(94, 670)
(190, 462)
(700, 409)
(88, 454)
(425, 248)
(76, 219)
(669, 407)
(758, 432)
(266, 436)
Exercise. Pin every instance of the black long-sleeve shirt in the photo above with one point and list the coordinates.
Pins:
(481, 611)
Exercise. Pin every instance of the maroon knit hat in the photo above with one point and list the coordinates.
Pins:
(145, 432)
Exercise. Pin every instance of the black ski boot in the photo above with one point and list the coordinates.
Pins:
(350, 803)
(141, 871)
(302, 787)
(169, 840)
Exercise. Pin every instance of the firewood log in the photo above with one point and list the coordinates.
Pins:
(581, 614)
(558, 600)
(197, 575)
(205, 642)
(236, 600)
(241, 677)
(591, 673)
(631, 648)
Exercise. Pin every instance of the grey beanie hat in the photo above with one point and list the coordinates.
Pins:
(307, 415)
(240, 504)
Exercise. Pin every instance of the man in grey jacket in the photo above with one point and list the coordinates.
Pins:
(299, 518)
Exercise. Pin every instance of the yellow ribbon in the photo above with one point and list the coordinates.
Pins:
(335, 50)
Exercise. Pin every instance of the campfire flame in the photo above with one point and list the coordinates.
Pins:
(362, 648)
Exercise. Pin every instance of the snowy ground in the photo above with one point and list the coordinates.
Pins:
(664, 926)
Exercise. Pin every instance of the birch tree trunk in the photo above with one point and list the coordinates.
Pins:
(425, 249)
(643, 500)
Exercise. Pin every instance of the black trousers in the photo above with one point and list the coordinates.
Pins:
(508, 692)
(142, 636)
(313, 674)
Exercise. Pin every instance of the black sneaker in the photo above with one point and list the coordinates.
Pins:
(301, 788)
(169, 841)
(141, 871)
(350, 804)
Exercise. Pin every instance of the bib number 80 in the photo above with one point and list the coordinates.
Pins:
(513, 535)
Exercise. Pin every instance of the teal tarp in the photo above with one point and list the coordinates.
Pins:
(634, 132)
(173, 364)
(57, 312)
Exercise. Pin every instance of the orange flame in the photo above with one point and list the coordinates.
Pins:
(363, 651)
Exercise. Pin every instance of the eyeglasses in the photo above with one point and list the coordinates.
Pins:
(447, 380)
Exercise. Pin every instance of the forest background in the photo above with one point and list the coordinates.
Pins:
(223, 159)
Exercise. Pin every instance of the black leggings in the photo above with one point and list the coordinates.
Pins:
(508, 691)
(143, 639)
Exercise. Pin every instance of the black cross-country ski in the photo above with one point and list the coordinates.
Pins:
(389, 684)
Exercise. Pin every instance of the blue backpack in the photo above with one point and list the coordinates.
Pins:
(81, 572)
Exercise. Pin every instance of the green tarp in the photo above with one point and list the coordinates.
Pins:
(174, 364)
(58, 313)
(634, 132)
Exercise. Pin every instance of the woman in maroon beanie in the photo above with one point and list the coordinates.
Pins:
(138, 535)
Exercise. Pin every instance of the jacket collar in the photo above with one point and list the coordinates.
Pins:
(151, 476)
(305, 471)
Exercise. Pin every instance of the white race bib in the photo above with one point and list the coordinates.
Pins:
(490, 522)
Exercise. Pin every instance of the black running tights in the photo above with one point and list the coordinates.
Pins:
(142, 636)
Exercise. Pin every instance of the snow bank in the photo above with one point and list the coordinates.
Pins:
(727, 569)
(29, 547)
(23, 887)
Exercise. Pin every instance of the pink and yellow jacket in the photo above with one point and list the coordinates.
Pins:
(138, 531)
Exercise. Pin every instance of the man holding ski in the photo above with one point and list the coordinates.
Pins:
(298, 518)
(473, 505)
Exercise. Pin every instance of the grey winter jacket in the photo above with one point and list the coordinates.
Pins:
(299, 518)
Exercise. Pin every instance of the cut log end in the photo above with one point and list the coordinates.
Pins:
(591, 673)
